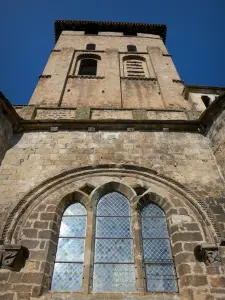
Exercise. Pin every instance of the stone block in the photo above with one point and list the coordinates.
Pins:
(139, 114)
(83, 113)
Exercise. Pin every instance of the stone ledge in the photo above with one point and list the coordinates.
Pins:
(178, 81)
(45, 76)
(109, 124)
(86, 77)
(139, 78)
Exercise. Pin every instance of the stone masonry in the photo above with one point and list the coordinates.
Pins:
(80, 137)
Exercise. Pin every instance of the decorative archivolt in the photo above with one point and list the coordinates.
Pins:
(63, 185)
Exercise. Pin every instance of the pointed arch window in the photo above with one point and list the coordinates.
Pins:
(68, 268)
(113, 262)
(159, 267)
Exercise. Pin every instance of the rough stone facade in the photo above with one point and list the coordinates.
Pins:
(81, 137)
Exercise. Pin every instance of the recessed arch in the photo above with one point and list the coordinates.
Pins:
(55, 183)
(111, 186)
(135, 66)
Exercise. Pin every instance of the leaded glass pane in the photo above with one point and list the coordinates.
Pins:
(68, 268)
(75, 209)
(67, 277)
(113, 204)
(73, 226)
(113, 245)
(160, 269)
(114, 278)
(156, 249)
(113, 227)
(70, 250)
(154, 228)
(152, 210)
(117, 250)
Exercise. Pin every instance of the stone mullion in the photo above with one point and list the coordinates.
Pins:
(138, 253)
(88, 257)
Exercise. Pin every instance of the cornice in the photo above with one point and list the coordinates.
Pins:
(79, 25)
(103, 124)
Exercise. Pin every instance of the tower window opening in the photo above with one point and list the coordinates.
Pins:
(90, 47)
(88, 67)
(206, 100)
(131, 48)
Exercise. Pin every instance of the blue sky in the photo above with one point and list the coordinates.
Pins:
(195, 37)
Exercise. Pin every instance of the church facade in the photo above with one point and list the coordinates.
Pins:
(112, 178)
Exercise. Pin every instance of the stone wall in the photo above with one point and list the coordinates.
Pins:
(45, 167)
(60, 84)
(8, 121)
(69, 113)
(214, 120)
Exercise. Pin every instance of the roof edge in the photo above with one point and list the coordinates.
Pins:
(158, 29)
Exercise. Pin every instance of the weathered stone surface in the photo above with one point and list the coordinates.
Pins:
(53, 163)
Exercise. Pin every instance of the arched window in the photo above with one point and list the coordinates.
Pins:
(134, 66)
(131, 48)
(68, 268)
(114, 261)
(90, 47)
(88, 66)
(159, 267)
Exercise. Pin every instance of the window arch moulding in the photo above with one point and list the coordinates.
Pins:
(87, 65)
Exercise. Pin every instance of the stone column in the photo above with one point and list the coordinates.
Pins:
(112, 82)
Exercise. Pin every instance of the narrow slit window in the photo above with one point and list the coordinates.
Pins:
(158, 262)
(206, 100)
(90, 47)
(131, 48)
(88, 66)
(114, 262)
(68, 268)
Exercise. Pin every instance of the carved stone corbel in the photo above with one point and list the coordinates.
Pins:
(12, 257)
(210, 254)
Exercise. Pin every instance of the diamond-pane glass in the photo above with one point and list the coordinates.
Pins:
(159, 268)
(113, 227)
(162, 284)
(113, 245)
(68, 268)
(67, 277)
(113, 204)
(154, 228)
(75, 209)
(73, 226)
(116, 250)
(114, 278)
(156, 249)
(152, 210)
(70, 250)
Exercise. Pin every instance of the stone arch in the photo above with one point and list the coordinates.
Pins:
(112, 186)
(91, 59)
(61, 182)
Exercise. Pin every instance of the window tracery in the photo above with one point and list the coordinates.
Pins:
(113, 253)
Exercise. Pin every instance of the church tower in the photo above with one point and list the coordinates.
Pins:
(112, 177)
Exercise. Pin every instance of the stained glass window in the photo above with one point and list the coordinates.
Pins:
(114, 261)
(159, 267)
(68, 268)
